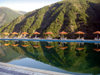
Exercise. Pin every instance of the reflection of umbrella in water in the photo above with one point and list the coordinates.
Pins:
(36, 46)
(7, 44)
(15, 45)
(36, 33)
(80, 33)
(25, 45)
(63, 48)
(79, 49)
(49, 47)
(97, 32)
(98, 50)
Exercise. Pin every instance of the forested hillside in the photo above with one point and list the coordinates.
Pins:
(7, 15)
(66, 15)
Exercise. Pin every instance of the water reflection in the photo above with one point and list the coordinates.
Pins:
(73, 57)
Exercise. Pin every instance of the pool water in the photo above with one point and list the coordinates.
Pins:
(65, 57)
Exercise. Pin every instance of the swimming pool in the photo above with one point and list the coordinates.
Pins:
(66, 57)
(55, 40)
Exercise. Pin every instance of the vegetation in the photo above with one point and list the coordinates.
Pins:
(7, 15)
(66, 15)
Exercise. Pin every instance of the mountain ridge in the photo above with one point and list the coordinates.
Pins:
(7, 15)
(69, 16)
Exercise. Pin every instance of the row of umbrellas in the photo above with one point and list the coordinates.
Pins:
(50, 33)
(63, 32)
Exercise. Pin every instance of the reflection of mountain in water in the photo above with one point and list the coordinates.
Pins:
(75, 57)
(7, 54)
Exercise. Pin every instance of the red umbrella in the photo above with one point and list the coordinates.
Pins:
(49, 33)
(24, 33)
(63, 33)
(36, 33)
(14, 33)
(80, 33)
(97, 32)
(6, 33)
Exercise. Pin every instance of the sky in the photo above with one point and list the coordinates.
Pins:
(26, 5)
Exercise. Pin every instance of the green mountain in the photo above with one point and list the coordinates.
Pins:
(7, 15)
(66, 15)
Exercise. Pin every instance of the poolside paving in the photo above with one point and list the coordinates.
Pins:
(8, 69)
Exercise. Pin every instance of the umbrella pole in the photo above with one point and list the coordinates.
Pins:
(24, 36)
(97, 36)
(63, 37)
(35, 36)
(79, 36)
(49, 36)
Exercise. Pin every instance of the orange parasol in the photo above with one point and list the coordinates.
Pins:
(48, 33)
(24, 33)
(6, 33)
(63, 33)
(14, 33)
(97, 32)
(79, 32)
(36, 33)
